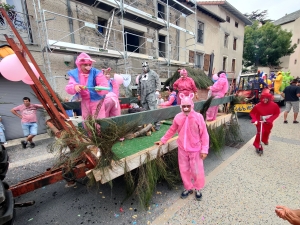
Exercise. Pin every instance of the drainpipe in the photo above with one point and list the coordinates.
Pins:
(70, 21)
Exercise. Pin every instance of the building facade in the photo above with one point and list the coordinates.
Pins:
(291, 22)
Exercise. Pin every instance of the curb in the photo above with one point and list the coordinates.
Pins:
(15, 142)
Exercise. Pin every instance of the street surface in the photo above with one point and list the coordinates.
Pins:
(56, 204)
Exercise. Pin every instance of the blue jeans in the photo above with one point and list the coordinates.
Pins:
(29, 129)
(2, 136)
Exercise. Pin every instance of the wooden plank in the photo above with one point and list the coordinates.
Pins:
(134, 161)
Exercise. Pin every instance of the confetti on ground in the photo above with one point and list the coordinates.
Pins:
(133, 222)
(193, 222)
(30, 219)
(78, 215)
(148, 222)
(100, 192)
(130, 208)
(103, 196)
(116, 215)
(121, 209)
(202, 217)
(159, 193)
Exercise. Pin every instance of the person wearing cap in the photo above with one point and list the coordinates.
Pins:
(193, 144)
(218, 90)
(111, 101)
(87, 76)
(291, 96)
(266, 110)
(185, 85)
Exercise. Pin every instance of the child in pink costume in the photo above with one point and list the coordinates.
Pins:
(185, 85)
(218, 90)
(86, 75)
(172, 99)
(193, 144)
(111, 101)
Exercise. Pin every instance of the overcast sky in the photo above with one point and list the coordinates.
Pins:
(276, 8)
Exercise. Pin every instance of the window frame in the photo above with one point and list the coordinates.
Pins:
(201, 65)
(224, 66)
(228, 19)
(198, 32)
(233, 67)
(226, 40)
(236, 24)
(234, 47)
(161, 14)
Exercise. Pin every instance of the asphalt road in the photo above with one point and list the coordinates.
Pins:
(56, 204)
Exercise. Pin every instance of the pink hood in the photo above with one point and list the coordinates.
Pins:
(82, 59)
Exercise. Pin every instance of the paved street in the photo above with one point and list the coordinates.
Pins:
(56, 204)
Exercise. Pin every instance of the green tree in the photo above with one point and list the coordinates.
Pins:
(265, 45)
(258, 15)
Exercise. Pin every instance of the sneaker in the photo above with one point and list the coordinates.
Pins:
(24, 143)
(257, 150)
(198, 195)
(186, 193)
(285, 121)
(295, 121)
(32, 145)
(266, 143)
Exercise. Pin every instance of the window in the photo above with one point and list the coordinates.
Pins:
(102, 23)
(295, 61)
(160, 11)
(199, 60)
(298, 42)
(226, 37)
(228, 19)
(161, 45)
(236, 24)
(224, 63)
(191, 56)
(132, 40)
(200, 32)
(233, 65)
(234, 43)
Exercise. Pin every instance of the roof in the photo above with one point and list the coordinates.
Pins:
(288, 18)
(226, 5)
(204, 10)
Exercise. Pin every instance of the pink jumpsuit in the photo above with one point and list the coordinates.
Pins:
(192, 140)
(218, 90)
(88, 106)
(185, 85)
(111, 101)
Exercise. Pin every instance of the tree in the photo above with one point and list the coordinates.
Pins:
(258, 15)
(265, 45)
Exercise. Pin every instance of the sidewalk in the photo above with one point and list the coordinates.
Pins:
(245, 188)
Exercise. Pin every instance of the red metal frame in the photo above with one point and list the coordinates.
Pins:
(57, 123)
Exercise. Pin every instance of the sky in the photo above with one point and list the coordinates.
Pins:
(276, 8)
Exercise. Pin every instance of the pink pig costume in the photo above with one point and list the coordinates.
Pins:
(90, 97)
(218, 90)
(185, 85)
(111, 101)
(192, 140)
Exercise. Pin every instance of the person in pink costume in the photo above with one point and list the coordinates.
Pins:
(193, 144)
(218, 90)
(185, 85)
(111, 100)
(172, 99)
(87, 76)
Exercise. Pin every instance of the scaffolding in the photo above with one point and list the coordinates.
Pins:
(104, 39)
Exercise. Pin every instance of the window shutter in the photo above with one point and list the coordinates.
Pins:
(191, 56)
(206, 62)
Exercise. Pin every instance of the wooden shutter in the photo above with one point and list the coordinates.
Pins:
(191, 56)
(206, 62)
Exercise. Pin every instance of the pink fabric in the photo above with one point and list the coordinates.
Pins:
(192, 132)
(170, 101)
(112, 105)
(185, 86)
(28, 113)
(212, 112)
(218, 90)
(191, 169)
(89, 108)
(116, 87)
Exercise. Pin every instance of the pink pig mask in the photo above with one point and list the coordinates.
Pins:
(84, 58)
(187, 103)
(183, 73)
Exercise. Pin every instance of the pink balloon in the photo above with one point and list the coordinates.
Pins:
(12, 69)
(27, 79)
(137, 79)
(118, 78)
